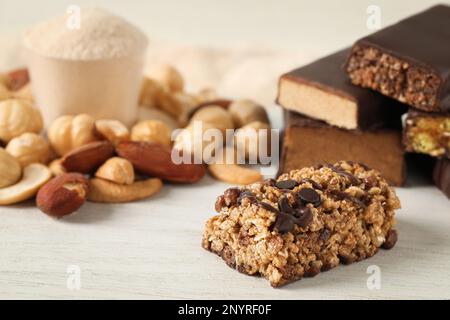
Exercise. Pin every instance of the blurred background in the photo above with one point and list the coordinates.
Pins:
(240, 47)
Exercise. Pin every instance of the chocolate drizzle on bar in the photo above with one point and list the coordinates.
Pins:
(340, 195)
(296, 212)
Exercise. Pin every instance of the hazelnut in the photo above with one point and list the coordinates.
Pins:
(151, 131)
(169, 77)
(156, 114)
(216, 116)
(17, 117)
(10, 169)
(248, 140)
(116, 170)
(112, 130)
(29, 148)
(69, 132)
(246, 111)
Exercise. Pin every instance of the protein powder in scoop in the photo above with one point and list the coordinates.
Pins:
(94, 69)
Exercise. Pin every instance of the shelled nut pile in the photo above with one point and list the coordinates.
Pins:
(80, 158)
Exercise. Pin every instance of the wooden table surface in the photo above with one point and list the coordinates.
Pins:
(151, 250)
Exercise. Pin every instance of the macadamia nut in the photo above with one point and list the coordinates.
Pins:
(29, 148)
(69, 132)
(17, 117)
(151, 131)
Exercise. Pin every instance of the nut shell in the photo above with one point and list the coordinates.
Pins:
(62, 195)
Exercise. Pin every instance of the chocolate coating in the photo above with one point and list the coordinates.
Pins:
(327, 74)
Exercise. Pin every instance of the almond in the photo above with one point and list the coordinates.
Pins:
(155, 160)
(19, 78)
(62, 195)
(88, 157)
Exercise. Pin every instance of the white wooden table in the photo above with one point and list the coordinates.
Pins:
(151, 250)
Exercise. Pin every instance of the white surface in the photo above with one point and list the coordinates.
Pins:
(151, 249)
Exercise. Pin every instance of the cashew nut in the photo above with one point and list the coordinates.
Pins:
(216, 116)
(224, 166)
(150, 90)
(233, 173)
(169, 77)
(112, 130)
(34, 176)
(246, 111)
(10, 169)
(106, 191)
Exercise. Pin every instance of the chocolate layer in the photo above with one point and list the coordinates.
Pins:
(441, 176)
(408, 61)
(427, 133)
(308, 142)
(322, 90)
